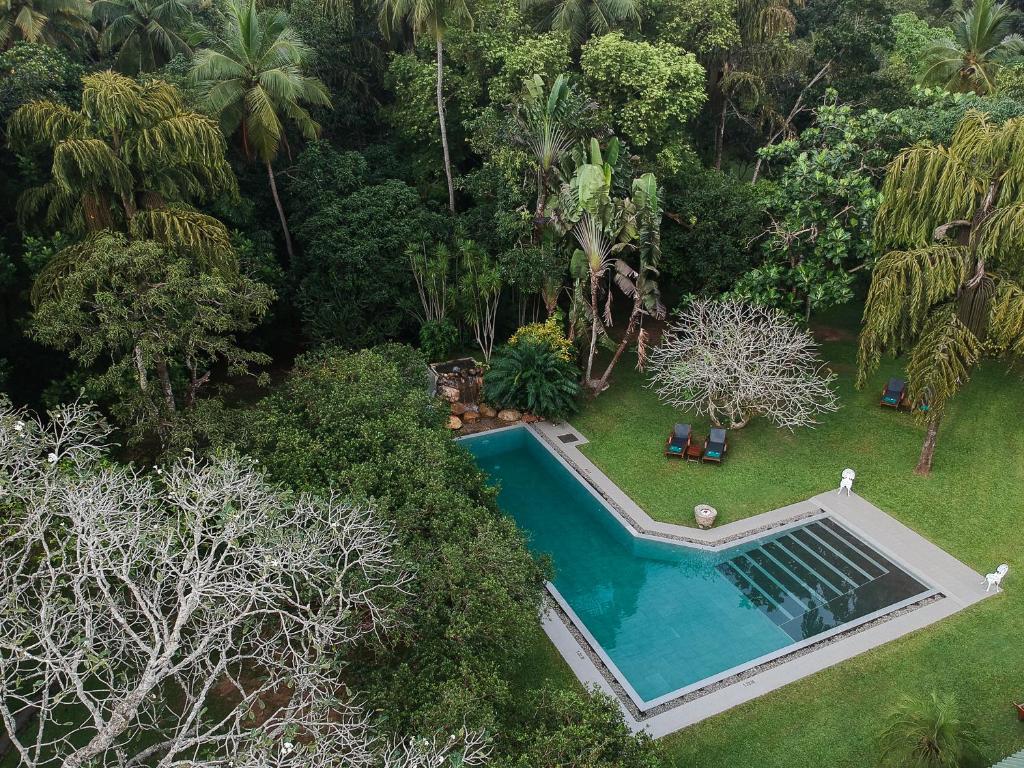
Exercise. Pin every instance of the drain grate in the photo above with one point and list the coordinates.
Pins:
(567, 438)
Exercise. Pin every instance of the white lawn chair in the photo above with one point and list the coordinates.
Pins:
(847, 482)
(995, 579)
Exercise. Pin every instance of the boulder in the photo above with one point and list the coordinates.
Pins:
(529, 418)
(451, 394)
(487, 412)
(454, 422)
(509, 414)
(470, 416)
(458, 409)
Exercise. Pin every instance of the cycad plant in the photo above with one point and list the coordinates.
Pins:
(54, 22)
(131, 159)
(431, 17)
(950, 289)
(982, 42)
(144, 34)
(530, 375)
(928, 733)
(253, 78)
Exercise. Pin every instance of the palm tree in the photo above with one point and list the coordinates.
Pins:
(928, 733)
(955, 292)
(982, 43)
(252, 77)
(145, 33)
(548, 123)
(583, 18)
(433, 17)
(743, 72)
(54, 22)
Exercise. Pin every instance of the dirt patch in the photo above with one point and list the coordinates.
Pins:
(826, 333)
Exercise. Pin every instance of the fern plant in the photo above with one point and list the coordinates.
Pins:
(531, 376)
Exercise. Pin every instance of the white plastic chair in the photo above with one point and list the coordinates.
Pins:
(995, 579)
(847, 481)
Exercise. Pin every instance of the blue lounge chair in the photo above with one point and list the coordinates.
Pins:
(715, 446)
(893, 394)
(678, 441)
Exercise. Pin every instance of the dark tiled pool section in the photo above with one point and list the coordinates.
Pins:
(817, 577)
(668, 618)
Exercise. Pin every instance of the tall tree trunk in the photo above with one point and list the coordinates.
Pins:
(444, 125)
(594, 320)
(165, 384)
(720, 137)
(924, 462)
(280, 213)
(634, 319)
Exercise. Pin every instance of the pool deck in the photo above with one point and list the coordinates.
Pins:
(959, 587)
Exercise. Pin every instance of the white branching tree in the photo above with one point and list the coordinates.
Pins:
(192, 616)
(731, 361)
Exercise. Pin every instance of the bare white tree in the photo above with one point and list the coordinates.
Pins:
(191, 616)
(731, 361)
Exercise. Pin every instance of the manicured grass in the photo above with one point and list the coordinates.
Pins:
(971, 506)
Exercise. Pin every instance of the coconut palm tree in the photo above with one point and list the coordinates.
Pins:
(252, 78)
(982, 42)
(146, 34)
(429, 17)
(583, 18)
(54, 22)
(950, 290)
(928, 733)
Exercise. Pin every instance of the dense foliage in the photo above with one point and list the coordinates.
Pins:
(531, 376)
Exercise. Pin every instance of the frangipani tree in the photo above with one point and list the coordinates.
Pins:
(983, 41)
(731, 361)
(192, 617)
(949, 291)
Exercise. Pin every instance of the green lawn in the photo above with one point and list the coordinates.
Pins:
(971, 506)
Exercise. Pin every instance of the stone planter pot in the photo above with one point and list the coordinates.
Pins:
(705, 515)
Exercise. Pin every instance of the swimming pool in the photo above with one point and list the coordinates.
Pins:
(667, 618)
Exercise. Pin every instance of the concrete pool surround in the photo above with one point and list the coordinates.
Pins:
(951, 587)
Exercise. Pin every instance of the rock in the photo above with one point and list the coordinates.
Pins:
(509, 414)
(459, 408)
(454, 422)
(470, 416)
(451, 394)
(529, 418)
(487, 412)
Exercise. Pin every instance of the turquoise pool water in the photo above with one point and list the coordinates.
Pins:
(669, 616)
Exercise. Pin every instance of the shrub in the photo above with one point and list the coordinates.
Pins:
(929, 733)
(530, 375)
(549, 332)
(438, 338)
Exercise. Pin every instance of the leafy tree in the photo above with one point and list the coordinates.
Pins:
(821, 209)
(981, 43)
(912, 37)
(532, 376)
(433, 18)
(252, 78)
(365, 424)
(704, 27)
(563, 724)
(652, 90)
(949, 290)
(353, 282)
(62, 23)
(132, 159)
(929, 733)
(36, 72)
(141, 313)
(144, 34)
(582, 18)
(479, 293)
